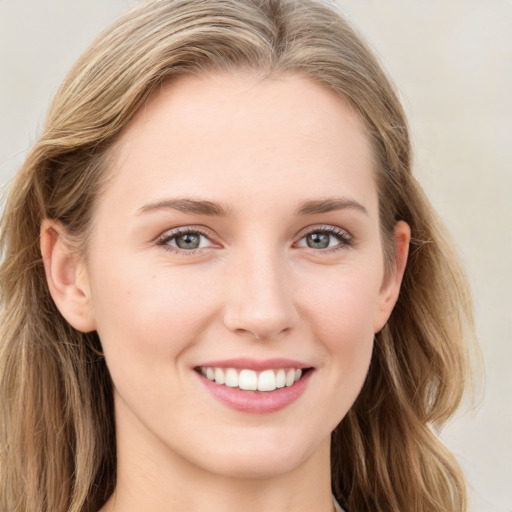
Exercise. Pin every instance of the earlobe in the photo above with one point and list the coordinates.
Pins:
(66, 276)
(390, 288)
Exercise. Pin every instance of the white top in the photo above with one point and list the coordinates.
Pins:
(336, 505)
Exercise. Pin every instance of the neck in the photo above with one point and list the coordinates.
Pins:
(153, 478)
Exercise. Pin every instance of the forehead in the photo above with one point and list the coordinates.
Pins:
(243, 136)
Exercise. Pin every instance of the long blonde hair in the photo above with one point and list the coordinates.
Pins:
(57, 429)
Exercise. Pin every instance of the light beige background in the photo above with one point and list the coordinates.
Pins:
(452, 62)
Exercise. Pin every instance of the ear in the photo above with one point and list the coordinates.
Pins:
(388, 294)
(67, 277)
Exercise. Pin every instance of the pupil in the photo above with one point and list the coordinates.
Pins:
(318, 240)
(188, 241)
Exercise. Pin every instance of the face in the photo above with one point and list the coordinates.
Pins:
(238, 242)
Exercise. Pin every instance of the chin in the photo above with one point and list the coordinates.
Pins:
(259, 467)
(261, 460)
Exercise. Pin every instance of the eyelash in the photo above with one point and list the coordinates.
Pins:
(342, 236)
(164, 240)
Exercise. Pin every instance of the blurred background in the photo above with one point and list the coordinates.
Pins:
(452, 64)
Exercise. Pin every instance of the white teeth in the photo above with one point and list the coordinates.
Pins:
(219, 376)
(248, 380)
(231, 378)
(280, 379)
(267, 380)
(290, 378)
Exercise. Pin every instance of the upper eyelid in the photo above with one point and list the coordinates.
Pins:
(170, 234)
(344, 238)
(203, 231)
(206, 231)
(323, 227)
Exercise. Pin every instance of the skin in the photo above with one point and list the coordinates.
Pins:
(254, 288)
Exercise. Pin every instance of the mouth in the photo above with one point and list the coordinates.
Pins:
(251, 380)
(255, 387)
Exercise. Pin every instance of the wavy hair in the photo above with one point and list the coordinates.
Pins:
(57, 431)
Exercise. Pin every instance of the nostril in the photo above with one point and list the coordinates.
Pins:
(262, 308)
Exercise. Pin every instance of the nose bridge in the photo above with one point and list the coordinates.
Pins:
(260, 293)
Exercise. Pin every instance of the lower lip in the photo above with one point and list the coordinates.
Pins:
(256, 402)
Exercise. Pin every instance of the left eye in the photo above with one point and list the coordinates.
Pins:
(324, 239)
(186, 241)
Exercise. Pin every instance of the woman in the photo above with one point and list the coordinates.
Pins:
(222, 288)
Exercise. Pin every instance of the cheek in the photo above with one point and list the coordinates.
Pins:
(146, 322)
(343, 322)
(346, 305)
(348, 336)
(148, 315)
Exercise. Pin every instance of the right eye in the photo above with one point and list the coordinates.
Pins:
(186, 240)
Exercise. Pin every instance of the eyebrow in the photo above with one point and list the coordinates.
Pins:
(193, 206)
(209, 208)
(328, 205)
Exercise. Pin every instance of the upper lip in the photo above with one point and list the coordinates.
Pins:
(256, 364)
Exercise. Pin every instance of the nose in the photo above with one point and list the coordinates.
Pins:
(260, 298)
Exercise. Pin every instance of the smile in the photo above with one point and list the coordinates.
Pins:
(257, 387)
(251, 380)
